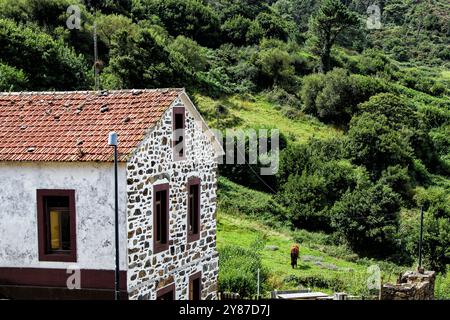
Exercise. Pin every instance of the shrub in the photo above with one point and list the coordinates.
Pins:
(238, 268)
(276, 68)
(304, 197)
(309, 196)
(373, 62)
(273, 25)
(368, 218)
(398, 179)
(282, 98)
(48, 63)
(235, 29)
(299, 157)
(333, 97)
(373, 143)
(434, 116)
(442, 286)
(11, 79)
(244, 171)
(396, 109)
(191, 18)
(237, 199)
(436, 238)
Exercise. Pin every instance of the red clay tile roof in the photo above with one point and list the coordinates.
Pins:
(74, 126)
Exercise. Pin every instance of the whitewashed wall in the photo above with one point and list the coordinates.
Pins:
(94, 200)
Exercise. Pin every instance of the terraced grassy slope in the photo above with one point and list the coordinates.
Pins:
(315, 269)
(239, 113)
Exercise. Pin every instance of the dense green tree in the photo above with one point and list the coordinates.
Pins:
(241, 170)
(296, 158)
(436, 228)
(330, 20)
(12, 79)
(297, 10)
(110, 6)
(397, 110)
(192, 55)
(372, 142)
(141, 60)
(305, 198)
(368, 218)
(333, 97)
(273, 25)
(246, 8)
(235, 29)
(190, 18)
(401, 114)
(48, 64)
(108, 25)
(399, 180)
(276, 68)
(310, 195)
(46, 13)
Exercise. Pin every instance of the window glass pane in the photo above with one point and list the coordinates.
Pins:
(58, 223)
(179, 133)
(163, 216)
(193, 209)
(196, 209)
(55, 234)
(158, 220)
(179, 123)
(65, 230)
(194, 289)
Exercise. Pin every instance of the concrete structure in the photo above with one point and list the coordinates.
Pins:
(57, 196)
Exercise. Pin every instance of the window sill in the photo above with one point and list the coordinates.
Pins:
(193, 237)
(158, 248)
(175, 159)
(58, 257)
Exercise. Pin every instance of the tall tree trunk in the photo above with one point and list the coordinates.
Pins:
(325, 62)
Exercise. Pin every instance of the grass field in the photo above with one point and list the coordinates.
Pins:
(258, 112)
(313, 266)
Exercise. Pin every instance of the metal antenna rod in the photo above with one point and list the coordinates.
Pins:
(421, 237)
(96, 82)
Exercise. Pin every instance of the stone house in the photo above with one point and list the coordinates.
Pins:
(57, 196)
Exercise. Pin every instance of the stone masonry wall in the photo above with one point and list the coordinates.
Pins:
(153, 164)
(412, 286)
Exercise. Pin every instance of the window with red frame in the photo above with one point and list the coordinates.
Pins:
(161, 217)
(193, 216)
(195, 286)
(178, 133)
(166, 293)
(56, 225)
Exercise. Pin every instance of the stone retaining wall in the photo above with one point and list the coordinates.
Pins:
(412, 285)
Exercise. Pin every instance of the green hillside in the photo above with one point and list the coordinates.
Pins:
(363, 114)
